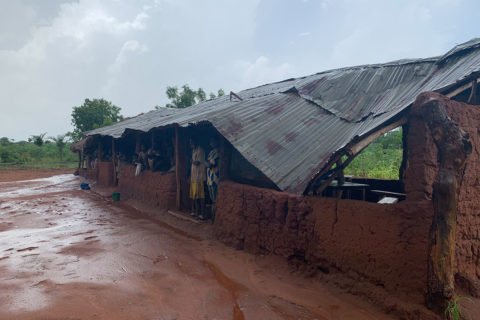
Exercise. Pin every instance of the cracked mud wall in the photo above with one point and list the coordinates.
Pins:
(384, 245)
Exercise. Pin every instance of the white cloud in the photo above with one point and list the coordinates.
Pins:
(128, 48)
(325, 3)
(304, 34)
(261, 71)
(393, 31)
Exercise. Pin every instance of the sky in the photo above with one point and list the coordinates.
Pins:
(56, 53)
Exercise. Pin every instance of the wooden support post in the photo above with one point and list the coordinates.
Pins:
(114, 156)
(326, 168)
(339, 168)
(453, 149)
(79, 159)
(180, 168)
(99, 150)
(352, 151)
(473, 93)
(225, 154)
(137, 143)
(340, 175)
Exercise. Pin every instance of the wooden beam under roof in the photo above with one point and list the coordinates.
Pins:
(462, 88)
(351, 151)
(362, 144)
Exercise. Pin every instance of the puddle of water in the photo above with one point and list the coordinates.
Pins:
(38, 186)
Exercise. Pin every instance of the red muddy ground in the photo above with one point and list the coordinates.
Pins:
(30, 173)
(72, 254)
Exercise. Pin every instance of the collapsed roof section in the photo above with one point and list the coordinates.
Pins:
(290, 130)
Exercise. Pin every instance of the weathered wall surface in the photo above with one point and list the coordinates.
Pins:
(468, 215)
(105, 173)
(419, 180)
(91, 174)
(154, 188)
(383, 244)
(421, 167)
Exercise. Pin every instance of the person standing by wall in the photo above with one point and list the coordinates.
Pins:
(197, 180)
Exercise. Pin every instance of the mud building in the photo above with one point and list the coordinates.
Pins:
(283, 150)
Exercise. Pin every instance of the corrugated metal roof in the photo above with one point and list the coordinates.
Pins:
(290, 129)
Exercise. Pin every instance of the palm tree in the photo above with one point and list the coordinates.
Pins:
(38, 140)
(60, 141)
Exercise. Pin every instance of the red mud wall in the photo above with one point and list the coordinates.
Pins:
(419, 180)
(468, 215)
(154, 188)
(105, 173)
(385, 245)
(90, 173)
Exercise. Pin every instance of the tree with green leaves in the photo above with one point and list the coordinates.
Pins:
(220, 93)
(5, 141)
(60, 141)
(93, 114)
(187, 96)
(38, 140)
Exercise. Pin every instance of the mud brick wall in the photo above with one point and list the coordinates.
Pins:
(383, 244)
(82, 172)
(91, 174)
(468, 215)
(154, 188)
(105, 174)
(421, 148)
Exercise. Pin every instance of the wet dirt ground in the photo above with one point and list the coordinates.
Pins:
(72, 254)
(18, 174)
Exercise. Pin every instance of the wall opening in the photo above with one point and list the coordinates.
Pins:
(374, 174)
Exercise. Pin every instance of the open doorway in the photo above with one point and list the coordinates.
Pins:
(374, 174)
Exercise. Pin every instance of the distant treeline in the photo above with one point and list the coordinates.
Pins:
(381, 159)
(27, 153)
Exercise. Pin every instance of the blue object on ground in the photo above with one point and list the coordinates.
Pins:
(84, 186)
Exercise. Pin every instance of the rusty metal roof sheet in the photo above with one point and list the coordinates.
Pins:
(290, 129)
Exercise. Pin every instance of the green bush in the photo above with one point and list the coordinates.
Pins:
(28, 153)
(381, 159)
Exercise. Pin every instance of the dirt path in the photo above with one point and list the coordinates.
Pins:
(71, 254)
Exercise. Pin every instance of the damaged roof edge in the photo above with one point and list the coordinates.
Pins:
(348, 150)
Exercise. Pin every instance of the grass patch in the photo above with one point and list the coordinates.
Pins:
(381, 159)
(28, 155)
(39, 165)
